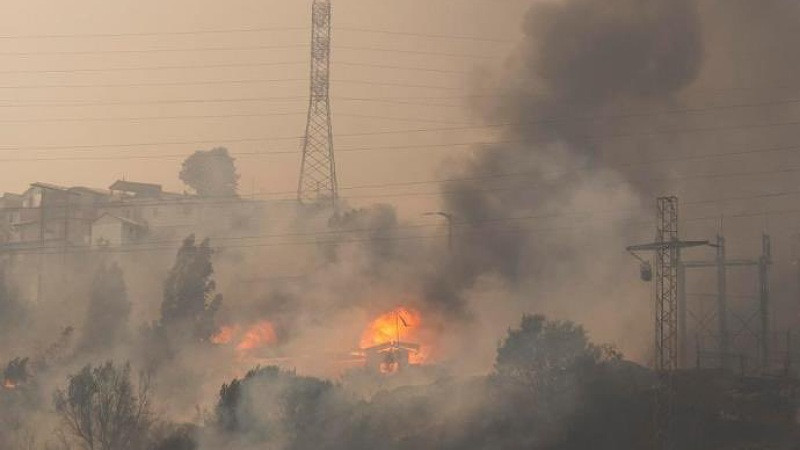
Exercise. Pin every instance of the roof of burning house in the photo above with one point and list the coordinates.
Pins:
(93, 191)
(50, 186)
(121, 219)
(143, 189)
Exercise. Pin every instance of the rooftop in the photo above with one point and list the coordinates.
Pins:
(143, 189)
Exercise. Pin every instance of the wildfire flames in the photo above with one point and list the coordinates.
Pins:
(259, 335)
(389, 342)
(399, 326)
(386, 328)
(9, 384)
(224, 335)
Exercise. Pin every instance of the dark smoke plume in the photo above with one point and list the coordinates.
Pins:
(580, 59)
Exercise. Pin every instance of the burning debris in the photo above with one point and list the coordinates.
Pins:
(16, 373)
(382, 343)
(257, 336)
(225, 335)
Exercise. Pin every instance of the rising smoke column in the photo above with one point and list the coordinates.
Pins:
(580, 59)
(581, 68)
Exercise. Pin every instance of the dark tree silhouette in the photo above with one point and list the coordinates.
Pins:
(542, 354)
(16, 372)
(190, 301)
(102, 409)
(109, 309)
(296, 405)
(211, 173)
(11, 309)
(174, 437)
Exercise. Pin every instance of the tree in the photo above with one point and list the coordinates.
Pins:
(16, 372)
(544, 354)
(190, 301)
(109, 309)
(103, 410)
(11, 309)
(211, 173)
(174, 437)
(270, 402)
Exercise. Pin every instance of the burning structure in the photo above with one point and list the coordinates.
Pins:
(383, 348)
(599, 58)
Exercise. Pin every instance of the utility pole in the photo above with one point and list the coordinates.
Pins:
(763, 289)
(667, 248)
(317, 184)
(40, 265)
(722, 303)
(722, 263)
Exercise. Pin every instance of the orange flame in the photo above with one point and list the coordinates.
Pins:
(225, 335)
(8, 384)
(259, 335)
(402, 323)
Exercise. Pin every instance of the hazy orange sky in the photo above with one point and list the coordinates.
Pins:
(49, 65)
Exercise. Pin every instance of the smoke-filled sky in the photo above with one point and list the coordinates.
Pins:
(544, 129)
(445, 78)
(643, 96)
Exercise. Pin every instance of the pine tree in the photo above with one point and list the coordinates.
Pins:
(190, 301)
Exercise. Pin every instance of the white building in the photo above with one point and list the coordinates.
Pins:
(113, 231)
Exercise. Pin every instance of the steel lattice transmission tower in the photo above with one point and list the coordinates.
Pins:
(667, 284)
(667, 248)
(669, 314)
(317, 183)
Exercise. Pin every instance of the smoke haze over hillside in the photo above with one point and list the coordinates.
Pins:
(597, 108)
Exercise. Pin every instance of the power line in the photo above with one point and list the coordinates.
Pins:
(394, 99)
(168, 83)
(415, 52)
(218, 82)
(240, 48)
(247, 30)
(135, 69)
(141, 118)
(155, 50)
(194, 201)
(252, 100)
(426, 35)
(152, 33)
(389, 100)
(148, 247)
(223, 65)
(220, 116)
(599, 137)
(543, 120)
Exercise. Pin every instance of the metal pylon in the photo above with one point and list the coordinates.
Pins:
(667, 249)
(317, 184)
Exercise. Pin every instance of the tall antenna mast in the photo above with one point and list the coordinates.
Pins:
(317, 183)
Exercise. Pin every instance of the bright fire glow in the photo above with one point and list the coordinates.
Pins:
(403, 323)
(225, 335)
(8, 384)
(259, 335)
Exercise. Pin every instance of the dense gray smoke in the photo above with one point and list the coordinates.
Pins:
(590, 103)
(581, 61)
